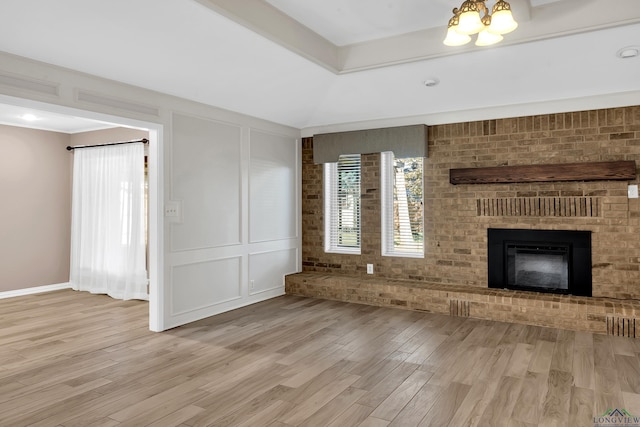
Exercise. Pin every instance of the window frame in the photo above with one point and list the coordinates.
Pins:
(387, 201)
(332, 208)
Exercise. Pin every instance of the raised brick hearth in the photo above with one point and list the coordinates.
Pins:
(599, 315)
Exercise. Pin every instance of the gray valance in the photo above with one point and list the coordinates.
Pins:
(404, 141)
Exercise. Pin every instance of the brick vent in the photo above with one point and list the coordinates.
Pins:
(459, 308)
(622, 326)
(540, 206)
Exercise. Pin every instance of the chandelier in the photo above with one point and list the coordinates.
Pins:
(467, 21)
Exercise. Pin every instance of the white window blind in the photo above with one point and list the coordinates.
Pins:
(342, 205)
(402, 206)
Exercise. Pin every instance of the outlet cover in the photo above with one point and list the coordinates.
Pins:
(173, 211)
(632, 191)
(369, 268)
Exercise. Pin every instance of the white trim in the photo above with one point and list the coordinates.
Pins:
(386, 200)
(34, 290)
(387, 184)
(264, 19)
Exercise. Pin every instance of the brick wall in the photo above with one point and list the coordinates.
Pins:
(457, 217)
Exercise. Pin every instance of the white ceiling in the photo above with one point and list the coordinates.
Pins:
(345, 63)
(44, 120)
(345, 22)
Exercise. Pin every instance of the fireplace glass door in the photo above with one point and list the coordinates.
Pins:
(553, 261)
(538, 266)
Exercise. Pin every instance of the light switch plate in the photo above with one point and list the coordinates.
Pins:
(632, 191)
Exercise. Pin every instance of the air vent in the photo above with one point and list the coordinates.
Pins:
(459, 308)
(622, 326)
(540, 206)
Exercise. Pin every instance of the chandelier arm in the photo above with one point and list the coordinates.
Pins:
(482, 8)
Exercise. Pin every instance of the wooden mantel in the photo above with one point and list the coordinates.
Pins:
(622, 170)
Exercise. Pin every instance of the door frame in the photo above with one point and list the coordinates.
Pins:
(156, 192)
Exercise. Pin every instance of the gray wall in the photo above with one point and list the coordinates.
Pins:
(35, 219)
(35, 184)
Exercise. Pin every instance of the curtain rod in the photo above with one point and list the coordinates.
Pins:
(143, 140)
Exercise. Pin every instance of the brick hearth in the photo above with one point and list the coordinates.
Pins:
(599, 315)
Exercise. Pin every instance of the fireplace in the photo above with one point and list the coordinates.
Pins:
(555, 261)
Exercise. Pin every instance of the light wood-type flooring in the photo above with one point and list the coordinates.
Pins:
(81, 360)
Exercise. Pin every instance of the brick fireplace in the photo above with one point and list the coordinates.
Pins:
(457, 217)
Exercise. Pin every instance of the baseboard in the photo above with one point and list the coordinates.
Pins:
(35, 290)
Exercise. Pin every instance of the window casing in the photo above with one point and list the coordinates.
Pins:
(342, 205)
(402, 206)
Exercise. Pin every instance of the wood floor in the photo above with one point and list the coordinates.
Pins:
(75, 359)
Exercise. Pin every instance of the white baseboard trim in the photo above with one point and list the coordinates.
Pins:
(35, 290)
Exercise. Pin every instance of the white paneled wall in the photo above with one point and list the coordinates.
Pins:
(206, 177)
(238, 235)
(205, 284)
(235, 178)
(273, 210)
(272, 186)
(266, 269)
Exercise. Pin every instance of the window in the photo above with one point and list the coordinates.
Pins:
(342, 205)
(402, 206)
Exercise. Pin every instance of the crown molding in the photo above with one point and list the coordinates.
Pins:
(264, 19)
(535, 23)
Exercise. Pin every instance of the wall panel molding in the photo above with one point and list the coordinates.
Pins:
(204, 284)
(273, 186)
(87, 97)
(23, 83)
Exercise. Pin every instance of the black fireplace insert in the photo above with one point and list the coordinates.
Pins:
(554, 261)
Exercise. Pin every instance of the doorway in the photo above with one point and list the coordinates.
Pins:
(154, 184)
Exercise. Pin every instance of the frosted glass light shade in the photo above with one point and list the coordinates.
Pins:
(487, 38)
(469, 23)
(502, 22)
(454, 38)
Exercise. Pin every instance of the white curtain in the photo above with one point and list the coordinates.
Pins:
(108, 233)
